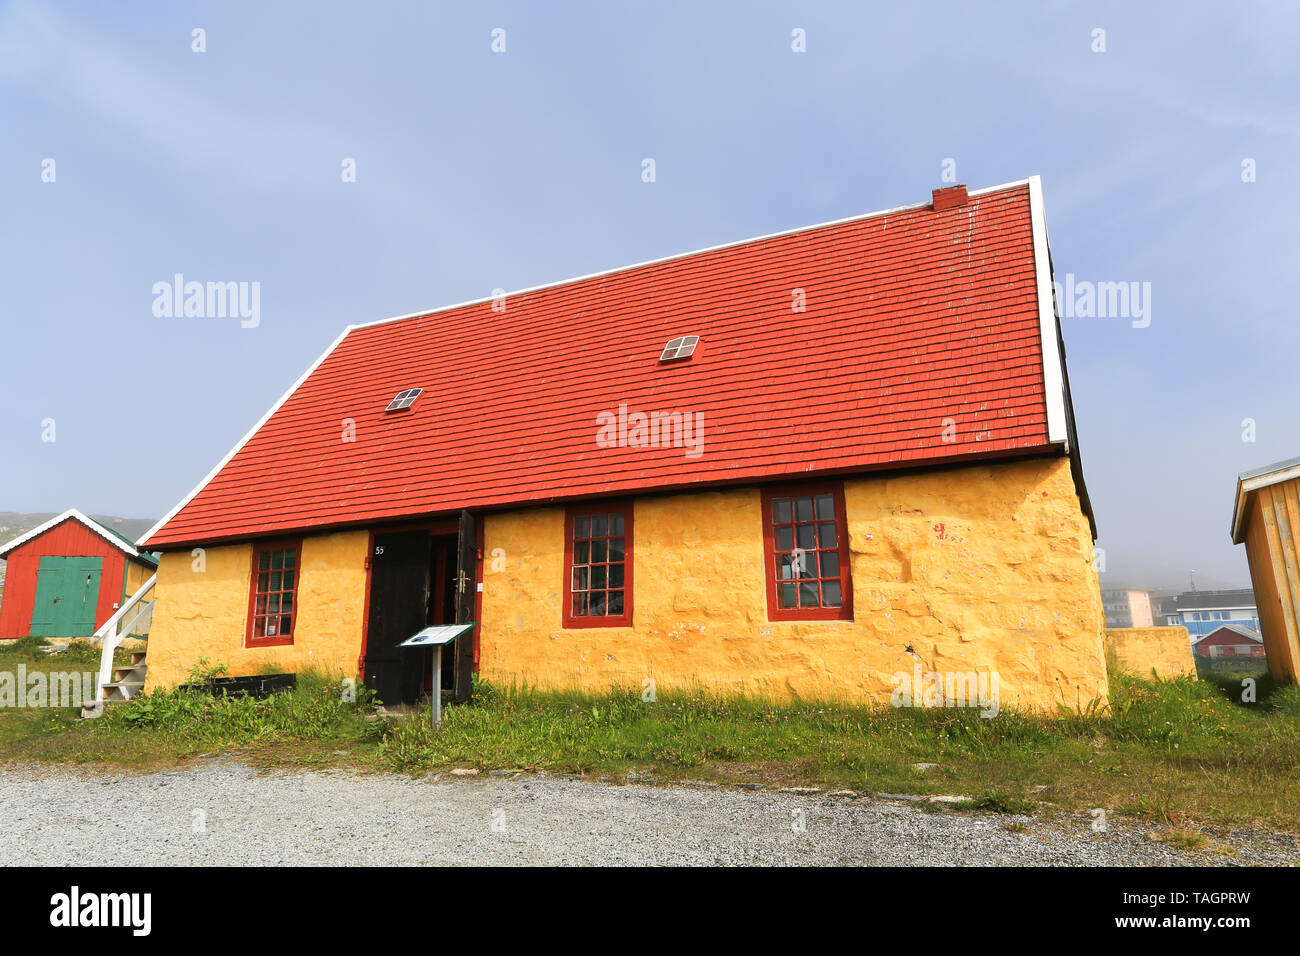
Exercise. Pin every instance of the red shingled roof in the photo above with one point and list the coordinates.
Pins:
(912, 317)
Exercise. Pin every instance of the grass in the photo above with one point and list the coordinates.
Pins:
(297, 726)
(76, 654)
(995, 801)
(24, 649)
(1182, 839)
(1223, 673)
(1175, 753)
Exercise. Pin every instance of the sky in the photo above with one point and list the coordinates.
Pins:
(1167, 146)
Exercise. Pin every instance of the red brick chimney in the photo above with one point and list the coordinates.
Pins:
(949, 198)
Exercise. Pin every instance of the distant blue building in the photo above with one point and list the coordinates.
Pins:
(1202, 612)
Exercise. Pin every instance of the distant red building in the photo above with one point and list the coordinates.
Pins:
(67, 577)
(1230, 640)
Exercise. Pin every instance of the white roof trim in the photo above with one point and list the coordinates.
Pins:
(1246, 485)
(1053, 375)
(144, 539)
(1036, 213)
(695, 252)
(59, 519)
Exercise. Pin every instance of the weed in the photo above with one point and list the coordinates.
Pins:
(204, 672)
(1181, 839)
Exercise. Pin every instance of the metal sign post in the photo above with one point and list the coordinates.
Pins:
(437, 688)
(437, 637)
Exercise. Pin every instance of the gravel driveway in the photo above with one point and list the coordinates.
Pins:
(223, 812)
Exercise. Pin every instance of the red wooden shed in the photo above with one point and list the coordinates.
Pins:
(1230, 640)
(67, 577)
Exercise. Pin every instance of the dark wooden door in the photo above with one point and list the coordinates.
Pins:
(466, 593)
(399, 599)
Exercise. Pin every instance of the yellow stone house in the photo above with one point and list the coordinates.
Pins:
(827, 463)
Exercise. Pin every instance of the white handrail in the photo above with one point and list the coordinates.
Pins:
(112, 638)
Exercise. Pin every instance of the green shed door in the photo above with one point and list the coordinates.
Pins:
(67, 592)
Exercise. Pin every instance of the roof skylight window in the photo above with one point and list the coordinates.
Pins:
(404, 399)
(680, 348)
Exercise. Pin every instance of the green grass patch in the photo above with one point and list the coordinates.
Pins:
(1170, 752)
(168, 726)
(1232, 668)
(1182, 839)
(996, 801)
(22, 649)
(78, 654)
(312, 710)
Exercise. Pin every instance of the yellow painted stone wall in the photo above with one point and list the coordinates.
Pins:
(986, 568)
(136, 575)
(205, 613)
(1141, 650)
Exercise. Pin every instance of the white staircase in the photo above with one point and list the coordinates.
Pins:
(122, 682)
(128, 680)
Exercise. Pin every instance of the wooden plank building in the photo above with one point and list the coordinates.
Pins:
(67, 577)
(1266, 519)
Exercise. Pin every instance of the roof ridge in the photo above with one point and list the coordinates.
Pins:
(114, 538)
(604, 273)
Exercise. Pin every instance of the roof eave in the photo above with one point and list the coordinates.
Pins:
(1254, 480)
(1051, 449)
(1048, 327)
(1238, 531)
(1061, 425)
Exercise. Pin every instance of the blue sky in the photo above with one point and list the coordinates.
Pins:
(478, 170)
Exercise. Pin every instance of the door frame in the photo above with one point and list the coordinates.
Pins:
(434, 526)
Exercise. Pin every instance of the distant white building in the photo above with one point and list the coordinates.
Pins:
(1127, 607)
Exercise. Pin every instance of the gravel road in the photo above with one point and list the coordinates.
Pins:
(224, 813)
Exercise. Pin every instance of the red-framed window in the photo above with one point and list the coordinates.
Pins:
(273, 594)
(806, 553)
(598, 565)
